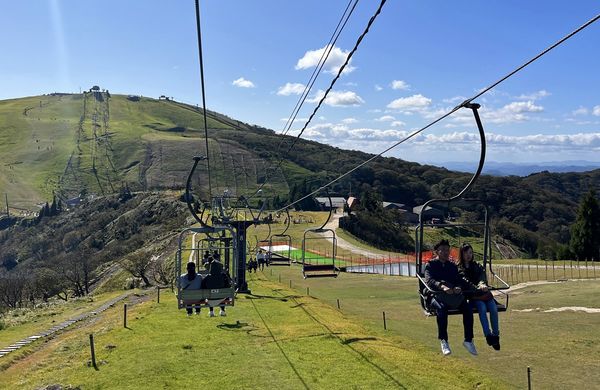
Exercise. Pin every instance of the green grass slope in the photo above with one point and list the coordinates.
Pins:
(93, 143)
(275, 338)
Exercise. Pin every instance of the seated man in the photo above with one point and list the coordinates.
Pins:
(191, 281)
(442, 275)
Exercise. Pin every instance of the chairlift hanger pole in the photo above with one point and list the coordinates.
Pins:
(474, 107)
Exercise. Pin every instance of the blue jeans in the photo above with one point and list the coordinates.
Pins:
(483, 307)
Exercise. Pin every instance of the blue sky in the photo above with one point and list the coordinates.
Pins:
(419, 60)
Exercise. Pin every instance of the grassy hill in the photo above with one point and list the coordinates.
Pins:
(93, 143)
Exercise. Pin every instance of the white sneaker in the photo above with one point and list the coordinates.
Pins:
(470, 347)
(445, 348)
(222, 313)
(211, 314)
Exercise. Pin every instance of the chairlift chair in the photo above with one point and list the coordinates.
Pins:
(319, 265)
(216, 290)
(279, 257)
(425, 293)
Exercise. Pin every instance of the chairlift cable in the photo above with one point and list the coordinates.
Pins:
(315, 74)
(199, 33)
(340, 71)
(313, 78)
(463, 104)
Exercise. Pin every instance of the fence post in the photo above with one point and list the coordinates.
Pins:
(546, 269)
(92, 350)
(384, 324)
(124, 315)
(553, 276)
(578, 269)
(338, 303)
(157, 294)
(586, 268)
(529, 271)
(528, 378)
(571, 266)
(537, 270)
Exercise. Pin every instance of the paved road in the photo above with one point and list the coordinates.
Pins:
(341, 243)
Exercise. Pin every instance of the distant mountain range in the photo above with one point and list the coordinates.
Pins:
(523, 169)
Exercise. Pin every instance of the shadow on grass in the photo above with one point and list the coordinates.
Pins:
(356, 339)
(254, 296)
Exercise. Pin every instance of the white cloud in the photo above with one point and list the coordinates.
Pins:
(596, 110)
(336, 59)
(397, 124)
(411, 103)
(335, 133)
(351, 84)
(454, 99)
(512, 112)
(296, 120)
(378, 87)
(566, 141)
(400, 84)
(535, 95)
(243, 83)
(349, 120)
(580, 111)
(338, 98)
(521, 107)
(385, 118)
(291, 89)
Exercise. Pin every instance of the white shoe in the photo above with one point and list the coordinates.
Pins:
(470, 346)
(222, 313)
(445, 348)
(211, 314)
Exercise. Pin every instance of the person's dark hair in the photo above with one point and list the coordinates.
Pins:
(191, 270)
(461, 257)
(441, 243)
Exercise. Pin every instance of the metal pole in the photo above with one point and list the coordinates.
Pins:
(157, 294)
(384, 324)
(124, 315)
(338, 304)
(92, 350)
(528, 377)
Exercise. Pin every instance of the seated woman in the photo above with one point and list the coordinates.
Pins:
(473, 273)
(191, 281)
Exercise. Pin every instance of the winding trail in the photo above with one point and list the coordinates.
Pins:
(334, 224)
(65, 324)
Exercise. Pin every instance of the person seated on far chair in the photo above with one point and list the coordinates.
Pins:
(191, 281)
(215, 279)
(442, 275)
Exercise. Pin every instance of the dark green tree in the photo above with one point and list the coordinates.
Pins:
(585, 232)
